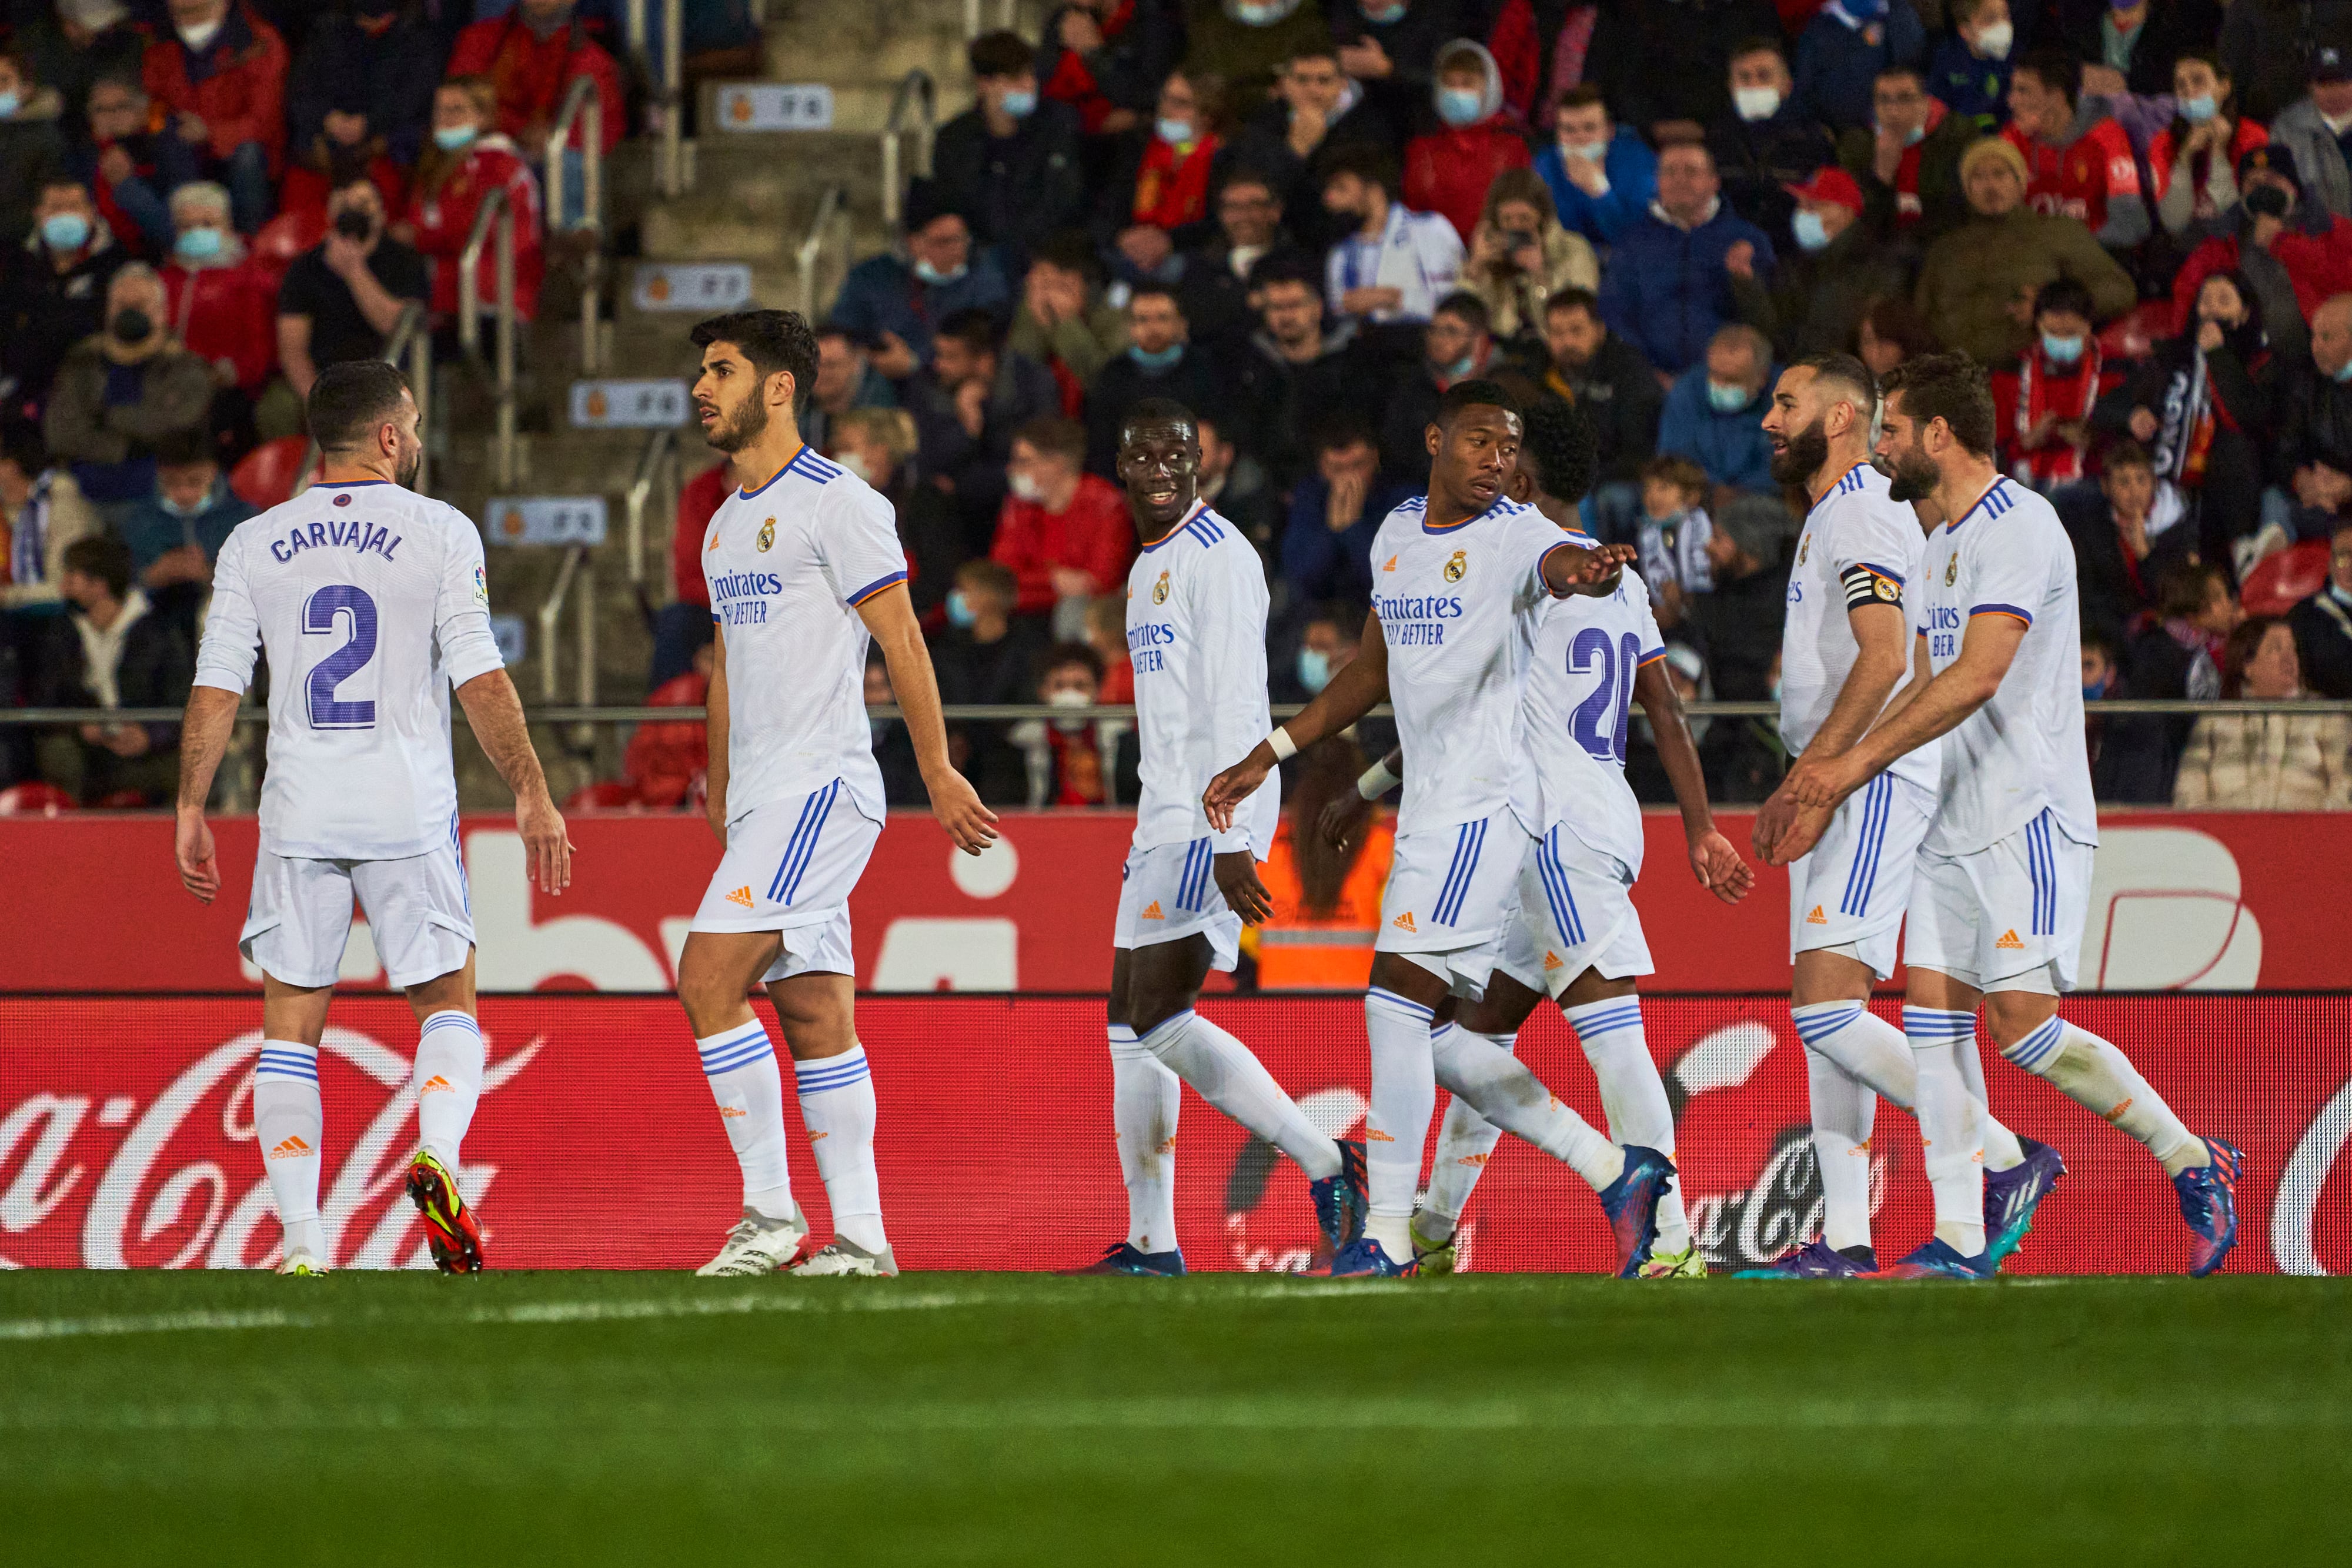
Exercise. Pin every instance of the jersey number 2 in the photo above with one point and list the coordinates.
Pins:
(319, 615)
(1598, 724)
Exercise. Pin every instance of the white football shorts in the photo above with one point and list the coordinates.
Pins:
(299, 917)
(2007, 918)
(1850, 891)
(1166, 893)
(1451, 895)
(788, 868)
(1575, 912)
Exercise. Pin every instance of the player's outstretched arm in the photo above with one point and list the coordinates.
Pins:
(1986, 649)
(889, 615)
(1346, 813)
(1883, 638)
(1359, 688)
(1574, 568)
(203, 740)
(496, 713)
(1713, 860)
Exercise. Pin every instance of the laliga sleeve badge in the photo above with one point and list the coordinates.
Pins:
(1457, 567)
(1159, 589)
(767, 534)
(482, 587)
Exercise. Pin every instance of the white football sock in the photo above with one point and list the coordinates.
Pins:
(448, 1080)
(2002, 1151)
(837, 1107)
(2101, 1079)
(1144, 1099)
(1844, 1110)
(290, 1125)
(1228, 1075)
(1632, 1096)
(1500, 1088)
(741, 1066)
(1874, 1052)
(1465, 1142)
(1396, 1122)
(1951, 1131)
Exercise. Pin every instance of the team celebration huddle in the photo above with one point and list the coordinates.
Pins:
(1939, 796)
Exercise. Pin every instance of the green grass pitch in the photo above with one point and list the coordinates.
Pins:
(527, 1418)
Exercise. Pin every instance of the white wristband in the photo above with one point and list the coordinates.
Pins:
(1282, 746)
(1377, 781)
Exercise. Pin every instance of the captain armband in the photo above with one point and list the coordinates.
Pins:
(1866, 584)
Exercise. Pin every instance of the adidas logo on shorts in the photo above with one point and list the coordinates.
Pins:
(1405, 922)
(741, 895)
(1152, 911)
(1817, 917)
(2009, 942)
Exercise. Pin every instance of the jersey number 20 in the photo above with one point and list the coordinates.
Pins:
(1598, 724)
(319, 615)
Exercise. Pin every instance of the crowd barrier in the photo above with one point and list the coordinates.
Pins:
(126, 1137)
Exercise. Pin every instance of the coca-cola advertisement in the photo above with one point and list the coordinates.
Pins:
(127, 1141)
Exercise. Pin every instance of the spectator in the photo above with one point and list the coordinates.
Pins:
(220, 77)
(1159, 360)
(2127, 534)
(470, 158)
(220, 303)
(1215, 291)
(892, 304)
(1456, 346)
(1064, 322)
(1891, 332)
(680, 625)
(32, 153)
(878, 445)
(1327, 549)
(71, 44)
(966, 408)
(1601, 177)
(1846, 49)
(2305, 130)
(1106, 59)
(1317, 109)
(1326, 645)
(1248, 41)
(1065, 533)
(2192, 162)
(1448, 171)
(364, 80)
(2043, 404)
(1107, 635)
(2128, 766)
(1685, 268)
(176, 533)
(667, 763)
(1394, 265)
(984, 656)
(1975, 288)
(2265, 761)
(532, 55)
(1520, 256)
(1909, 160)
(1398, 41)
(111, 653)
(1698, 35)
(2312, 458)
(1069, 761)
(1714, 412)
(45, 512)
(1674, 537)
(1739, 617)
(1298, 368)
(130, 166)
(124, 391)
(1822, 290)
(343, 297)
(53, 291)
(2180, 656)
(2323, 623)
(1969, 70)
(1009, 162)
(2079, 162)
(845, 380)
(1235, 484)
(1606, 376)
(1163, 202)
(2271, 53)
(1768, 141)
(2293, 254)
(2134, 45)
(894, 748)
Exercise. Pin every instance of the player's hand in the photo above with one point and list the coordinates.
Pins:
(1235, 785)
(957, 805)
(1771, 822)
(1596, 576)
(1237, 879)
(546, 847)
(1822, 784)
(1804, 830)
(1720, 868)
(192, 846)
(1342, 819)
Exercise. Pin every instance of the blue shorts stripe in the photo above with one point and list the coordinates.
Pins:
(1457, 886)
(1557, 890)
(1453, 869)
(808, 844)
(791, 847)
(1863, 875)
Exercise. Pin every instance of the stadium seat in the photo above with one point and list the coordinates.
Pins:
(285, 237)
(35, 800)
(269, 473)
(612, 795)
(2285, 578)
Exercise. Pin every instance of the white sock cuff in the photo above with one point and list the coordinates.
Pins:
(1122, 1035)
(1817, 1021)
(1397, 1007)
(830, 1072)
(2039, 1050)
(1594, 1019)
(1937, 1026)
(452, 1024)
(289, 1060)
(734, 1048)
(1162, 1035)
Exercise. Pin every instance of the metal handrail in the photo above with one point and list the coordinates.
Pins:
(1008, 13)
(582, 103)
(832, 204)
(497, 212)
(915, 91)
(408, 337)
(660, 450)
(576, 568)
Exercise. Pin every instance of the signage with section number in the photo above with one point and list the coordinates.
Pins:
(775, 105)
(702, 286)
(547, 520)
(629, 405)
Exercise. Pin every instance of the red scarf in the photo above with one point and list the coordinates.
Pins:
(2036, 395)
(1172, 189)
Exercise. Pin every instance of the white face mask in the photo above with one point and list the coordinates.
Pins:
(1025, 486)
(857, 465)
(199, 35)
(1755, 104)
(2336, 124)
(1067, 699)
(1994, 41)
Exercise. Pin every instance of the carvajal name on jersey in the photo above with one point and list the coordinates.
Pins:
(348, 534)
(1144, 642)
(741, 598)
(1407, 622)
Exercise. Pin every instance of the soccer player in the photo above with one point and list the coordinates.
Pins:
(369, 603)
(1845, 648)
(1460, 578)
(2002, 884)
(1196, 606)
(1575, 937)
(804, 565)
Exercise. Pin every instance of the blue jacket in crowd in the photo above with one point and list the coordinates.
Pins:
(151, 528)
(1731, 447)
(1319, 564)
(1968, 85)
(1837, 62)
(882, 294)
(1664, 289)
(1633, 171)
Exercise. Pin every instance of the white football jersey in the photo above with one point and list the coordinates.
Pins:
(788, 564)
(1459, 609)
(2023, 750)
(1196, 605)
(1580, 691)
(1860, 546)
(369, 602)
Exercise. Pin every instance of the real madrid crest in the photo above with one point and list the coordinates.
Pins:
(1458, 565)
(1805, 547)
(1952, 569)
(767, 534)
(1159, 589)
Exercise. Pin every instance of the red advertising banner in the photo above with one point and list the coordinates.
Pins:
(126, 1137)
(2200, 902)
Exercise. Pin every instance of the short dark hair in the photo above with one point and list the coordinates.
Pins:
(1248, 174)
(1473, 394)
(1563, 446)
(1150, 287)
(1000, 54)
(972, 326)
(1072, 251)
(2067, 295)
(980, 571)
(1338, 429)
(2126, 452)
(772, 339)
(2105, 643)
(1062, 655)
(1156, 410)
(2182, 590)
(848, 335)
(1898, 68)
(21, 443)
(179, 448)
(1950, 387)
(1847, 371)
(2055, 68)
(1583, 95)
(1573, 299)
(350, 399)
(1467, 308)
(2238, 651)
(1052, 434)
(104, 557)
(1756, 43)
(1366, 162)
(1285, 266)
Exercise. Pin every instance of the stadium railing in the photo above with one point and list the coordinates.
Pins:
(495, 219)
(581, 105)
(668, 105)
(918, 95)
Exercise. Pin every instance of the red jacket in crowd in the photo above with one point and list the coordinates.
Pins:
(1094, 535)
(226, 314)
(2077, 181)
(662, 761)
(1172, 188)
(698, 500)
(531, 76)
(2033, 389)
(444, 218)
(2318, 264)
(237, 86)
(1448, 171)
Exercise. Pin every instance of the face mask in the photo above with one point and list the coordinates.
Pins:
(1313, 670)
(2199, 109)
(454, 138)
(65, 231)
(1774, 688)
(131, 325)
(1026, 487)
(1811, 232)
(1726, 398)
(961, 613)
(933, 275)
(1175, 133)
(1262, 13)
(1595, 151)
(1069, 699)
(1020, 105)
(199, 37)
(198, 245)
(2093, 694)
(2266, 202)
(177, 510)
(10, 102)
(2338, 124)
(1756, 103)
(1156, 359)
(1459, 106)
(1461, 367)
(2061, 350)
(1381, 14)
(1994, 41)
(2344, 372)
(857, 465)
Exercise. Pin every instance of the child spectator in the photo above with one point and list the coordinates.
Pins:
(2127, 534)
(984, 656)
(176, 533)
(2323, 623)
(1107, 635)
(2043, 404)
(1673, 536)
(42, 511)
(1070, 760)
